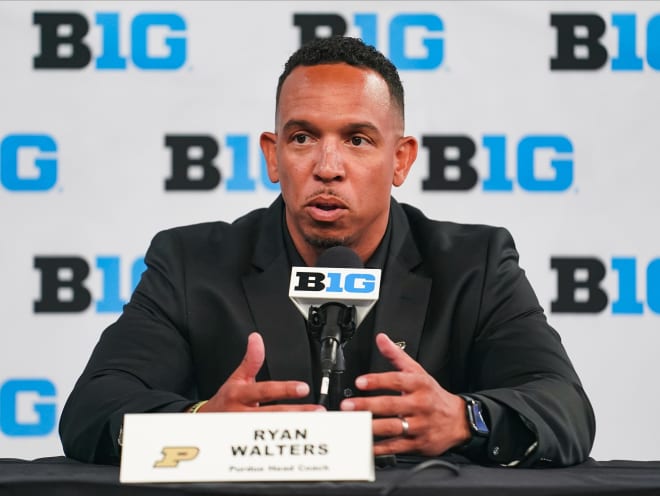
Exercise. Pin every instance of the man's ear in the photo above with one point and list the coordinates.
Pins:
(268, 142)
(405, 155)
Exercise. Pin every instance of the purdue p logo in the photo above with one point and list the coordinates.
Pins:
(175, 454)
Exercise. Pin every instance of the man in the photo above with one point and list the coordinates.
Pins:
(482, 373)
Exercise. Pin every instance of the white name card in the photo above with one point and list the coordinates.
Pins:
(271, 446)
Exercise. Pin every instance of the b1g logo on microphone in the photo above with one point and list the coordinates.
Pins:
(351, 286)
(541, 163)
(28, 162)
(579, 286)
(64, 286)
(414, 41)
(156, 41)
(579, 46)
(347, 283)
(27, 407)
(194, 166)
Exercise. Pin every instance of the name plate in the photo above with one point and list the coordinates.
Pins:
(270, 446)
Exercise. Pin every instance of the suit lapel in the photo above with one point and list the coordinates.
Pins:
(404, 294)
(279, 322)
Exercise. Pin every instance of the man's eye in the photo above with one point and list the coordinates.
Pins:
(357, 140)
(300, 138)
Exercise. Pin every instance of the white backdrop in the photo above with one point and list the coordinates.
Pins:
(481, 70)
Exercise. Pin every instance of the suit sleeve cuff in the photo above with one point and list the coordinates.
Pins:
(109, 450)
(511, 440)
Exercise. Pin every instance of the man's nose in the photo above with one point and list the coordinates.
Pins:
(329, 165)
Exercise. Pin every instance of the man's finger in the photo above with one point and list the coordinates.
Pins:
(292, 408)
(397, 357)
(382, 406)
(393, 446)
(267, 391)
(253, 360)
(393, 427)
(404, 382)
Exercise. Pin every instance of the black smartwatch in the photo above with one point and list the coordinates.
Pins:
(478, 427)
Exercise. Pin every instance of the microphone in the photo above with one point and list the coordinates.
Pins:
(334, 297)
(333, 323)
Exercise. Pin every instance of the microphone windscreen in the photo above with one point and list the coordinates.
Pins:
(339, 257)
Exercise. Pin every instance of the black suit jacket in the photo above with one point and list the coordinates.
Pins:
(454, 293)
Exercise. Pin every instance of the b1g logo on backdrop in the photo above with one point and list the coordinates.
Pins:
(579, 285)
(195, 164)
(414, 41)
(580, 47)
(156, 41)
(541, 163)
(27, 407)
(64, 286)
(450, 164)
(28, 162)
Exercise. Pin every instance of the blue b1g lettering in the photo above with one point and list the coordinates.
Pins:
(11, 423)
(396, 47)
(78, 53)
(40, 175)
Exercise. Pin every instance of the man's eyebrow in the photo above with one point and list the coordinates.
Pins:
(298, 123)
(361, 126)
(352, 127)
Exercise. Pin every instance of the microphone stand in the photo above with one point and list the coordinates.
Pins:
(333, 324)
(335, 396)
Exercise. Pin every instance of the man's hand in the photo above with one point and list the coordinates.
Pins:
(241, 392)
(436, 418)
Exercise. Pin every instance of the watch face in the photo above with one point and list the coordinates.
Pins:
(477, 419)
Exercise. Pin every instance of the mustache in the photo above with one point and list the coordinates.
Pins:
(325, 192)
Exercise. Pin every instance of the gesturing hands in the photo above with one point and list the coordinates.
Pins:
(434, 419)
(424, 419)
(241, 392)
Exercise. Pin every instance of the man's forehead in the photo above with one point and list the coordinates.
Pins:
(358, 83)
(334, 69)
(332, 74)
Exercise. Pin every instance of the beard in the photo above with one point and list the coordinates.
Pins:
(326, 242)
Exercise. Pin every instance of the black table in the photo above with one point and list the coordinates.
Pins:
(61, 476)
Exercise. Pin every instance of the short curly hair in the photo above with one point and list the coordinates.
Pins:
(346, 50)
